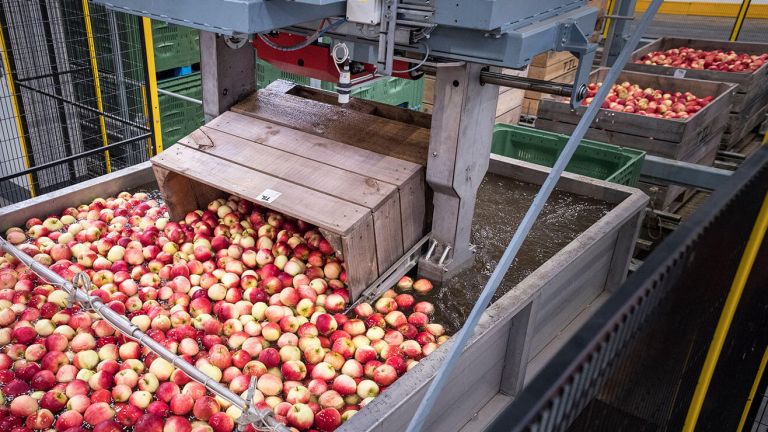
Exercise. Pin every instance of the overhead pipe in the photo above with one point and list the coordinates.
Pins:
(127, 328)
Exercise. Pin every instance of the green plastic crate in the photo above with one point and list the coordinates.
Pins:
(593, 159)
(391, 91)
(178, 117)
(175, 46)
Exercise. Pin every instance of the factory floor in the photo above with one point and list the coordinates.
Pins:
(700, 27)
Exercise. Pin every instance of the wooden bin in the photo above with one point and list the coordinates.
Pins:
(750, 102)
(369, 206)
(685, 140)
(508, 108)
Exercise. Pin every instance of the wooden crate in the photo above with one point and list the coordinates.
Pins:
(552, 64)
(674, 139)
(369, 206)
(751, 93)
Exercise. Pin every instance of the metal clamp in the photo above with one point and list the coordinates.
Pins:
(81, 279)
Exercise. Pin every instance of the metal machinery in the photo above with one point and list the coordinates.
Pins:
(465, 43)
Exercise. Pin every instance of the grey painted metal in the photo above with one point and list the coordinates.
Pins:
(460, 340)
(180, 96)
(490, 15)
(512, 48)
(619, 32)
(122, 324)
(566, 286)
(573, 39)
(389, 278)
(228, 75)
(231, 16)
(459, 148)
(657, 169)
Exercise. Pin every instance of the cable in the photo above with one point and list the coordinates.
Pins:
(308, 41)
(421, 63)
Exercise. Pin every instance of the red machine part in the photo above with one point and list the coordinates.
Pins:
(313, 61)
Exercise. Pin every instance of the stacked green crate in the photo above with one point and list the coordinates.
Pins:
(179, 117)
(175, 46)
(392, 91)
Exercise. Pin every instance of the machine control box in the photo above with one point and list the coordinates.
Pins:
(364, 11)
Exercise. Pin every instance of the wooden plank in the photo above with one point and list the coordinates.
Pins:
(510, 117)
(413, 209)
(359, 247)
(384, 168)
(325, 211)
(365, 106)
(380, 135)
(549, 58)
(388, 228)
(346, 185)
(554, 70)
(509, 101)
(518, 350)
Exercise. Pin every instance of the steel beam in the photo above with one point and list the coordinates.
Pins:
(229, 75)
(665, 171)
(459, 151)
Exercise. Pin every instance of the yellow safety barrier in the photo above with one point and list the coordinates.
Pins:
(96, 81)
(726, 316)
(753, 391)
(711, 9)
(154, 102)
(16, 111)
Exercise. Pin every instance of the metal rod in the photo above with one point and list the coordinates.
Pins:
(148, 44)
(459, 341)
(178, 96)
(84, 107)
(121, 323)
(74, 157)
(53, 74)
(524, 83)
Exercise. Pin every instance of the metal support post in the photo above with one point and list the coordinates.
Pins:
(96, 82)
(739, 23)
(16, 102)
(459, 150)
(229, 75)
(619, 31)
(151, 76)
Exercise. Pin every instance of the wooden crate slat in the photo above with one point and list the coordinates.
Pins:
(188, 195)
(325, 211)
(380, 135)
(378, 166)
(342, 184)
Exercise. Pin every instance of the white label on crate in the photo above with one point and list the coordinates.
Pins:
(268, 196)
(679, 73)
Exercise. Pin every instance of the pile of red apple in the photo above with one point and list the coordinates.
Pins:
(631, 98)
(237, 290)
(717, 60)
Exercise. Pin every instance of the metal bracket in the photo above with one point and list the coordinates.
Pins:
(393, 273)
(572, 39)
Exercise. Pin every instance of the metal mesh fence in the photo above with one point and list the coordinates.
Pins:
(72, 95)
(708, 20)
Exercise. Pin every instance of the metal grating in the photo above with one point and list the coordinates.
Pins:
(66, 92)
